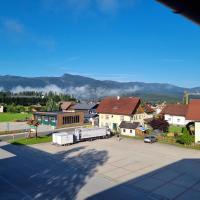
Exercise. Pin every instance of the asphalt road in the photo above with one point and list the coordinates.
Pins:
(23, 135)
(99, 170)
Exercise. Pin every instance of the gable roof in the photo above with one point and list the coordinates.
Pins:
(119, 106)
(129, 125)
(175, 110)
(65, 105)
(84, 106)
(193, 110)
(148, 109)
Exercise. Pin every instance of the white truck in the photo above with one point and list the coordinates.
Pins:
(91, 133)
(80, 134)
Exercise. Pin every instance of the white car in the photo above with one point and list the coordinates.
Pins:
(150, 139)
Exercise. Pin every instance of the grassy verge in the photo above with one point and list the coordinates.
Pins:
(12, 117)
(167, 140)
(175, 129)
(30, 141)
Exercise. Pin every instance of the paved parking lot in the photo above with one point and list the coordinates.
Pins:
(102, 169)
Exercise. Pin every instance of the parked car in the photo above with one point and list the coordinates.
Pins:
(150, 139)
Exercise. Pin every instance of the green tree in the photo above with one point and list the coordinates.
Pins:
(186, 138)
(52, 105)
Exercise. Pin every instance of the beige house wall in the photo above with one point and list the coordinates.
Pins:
(127, 132)
(197, 132)
(109, 119)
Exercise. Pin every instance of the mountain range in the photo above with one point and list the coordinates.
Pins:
(89, 88)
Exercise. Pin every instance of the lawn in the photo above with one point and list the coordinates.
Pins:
(175, 129)
(30, 141)
(12, 117)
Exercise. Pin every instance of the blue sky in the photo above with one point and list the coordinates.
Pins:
(129, 40)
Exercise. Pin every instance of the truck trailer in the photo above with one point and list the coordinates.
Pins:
(92, 133)
(80, 134)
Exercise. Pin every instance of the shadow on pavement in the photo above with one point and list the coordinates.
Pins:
(179, 180)
(35, 174)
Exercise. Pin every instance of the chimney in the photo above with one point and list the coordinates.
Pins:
(118, 97)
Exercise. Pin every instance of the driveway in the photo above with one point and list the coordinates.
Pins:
(102, 169)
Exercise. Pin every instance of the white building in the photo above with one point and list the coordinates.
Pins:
(175, 114)
(1, 109)
(128, 128)
(113, 110)
(193, 115)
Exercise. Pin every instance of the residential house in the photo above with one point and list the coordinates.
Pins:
(89, 110)
(193, 115)
(149, 111)
(128, 128)
(113, 110)
(159, 108)
(175, 114)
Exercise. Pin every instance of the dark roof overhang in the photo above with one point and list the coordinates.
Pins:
(187, 8)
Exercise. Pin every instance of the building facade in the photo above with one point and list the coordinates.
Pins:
(113, 110)
(175, 114)
(128, 128)
(60, 119)
(193, 115)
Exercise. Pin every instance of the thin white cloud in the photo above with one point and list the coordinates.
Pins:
(12, 25)
(1, 89)
(83, 92)
(79, 6)
(18, 30)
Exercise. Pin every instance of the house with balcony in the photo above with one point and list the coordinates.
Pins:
(114, 110)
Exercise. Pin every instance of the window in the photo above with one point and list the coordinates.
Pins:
(124, 130)
(178, 120)
(131, 131)
(107, 116)
(169, 119)
(122, 118)
(131, 117)
(53, 119)
(71, 119)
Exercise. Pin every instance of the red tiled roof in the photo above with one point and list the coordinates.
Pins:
(175, 109)
(193, 110)
(121, 106)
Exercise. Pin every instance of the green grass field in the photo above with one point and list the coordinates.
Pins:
(30, 141)
(175, 129)
(11, 117)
